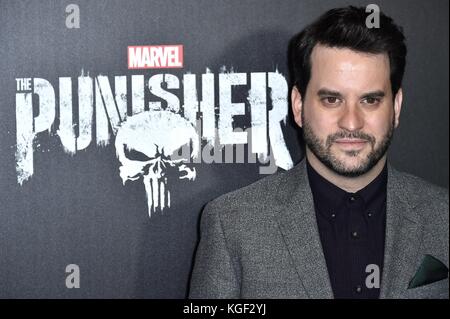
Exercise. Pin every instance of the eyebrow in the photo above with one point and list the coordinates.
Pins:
(330, 93)
(327, 92)
(374, 94)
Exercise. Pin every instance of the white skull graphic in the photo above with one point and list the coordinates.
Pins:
(144, 143)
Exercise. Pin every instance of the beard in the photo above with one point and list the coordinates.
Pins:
(322, 149)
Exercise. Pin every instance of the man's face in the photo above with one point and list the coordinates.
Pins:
(348, 114)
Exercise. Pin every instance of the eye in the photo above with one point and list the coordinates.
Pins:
(331, 100)
(371, 100)
(134, 155)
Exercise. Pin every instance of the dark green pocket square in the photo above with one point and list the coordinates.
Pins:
(430, 270)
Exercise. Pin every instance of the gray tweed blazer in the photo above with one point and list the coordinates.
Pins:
(262, 241)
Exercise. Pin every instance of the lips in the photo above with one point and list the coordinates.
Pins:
(351, 143)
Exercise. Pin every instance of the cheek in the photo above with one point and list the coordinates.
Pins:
(379, 126)
(322, 123)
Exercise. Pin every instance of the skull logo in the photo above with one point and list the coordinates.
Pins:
(144, 144)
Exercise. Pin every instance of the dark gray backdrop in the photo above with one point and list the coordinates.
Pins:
(75, 209)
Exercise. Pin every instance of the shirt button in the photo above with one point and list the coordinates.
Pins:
(355, 234)
(369, 214)
(333, 215)
(352, 199)
(358, 289)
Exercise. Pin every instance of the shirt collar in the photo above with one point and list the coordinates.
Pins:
(328, 198)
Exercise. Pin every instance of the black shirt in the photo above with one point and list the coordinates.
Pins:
(352, 233)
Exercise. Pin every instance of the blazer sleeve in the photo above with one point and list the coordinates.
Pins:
(213, 275)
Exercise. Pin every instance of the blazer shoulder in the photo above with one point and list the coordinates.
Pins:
(253, 194)
(252, 200)
(419, 188)
(423, 195)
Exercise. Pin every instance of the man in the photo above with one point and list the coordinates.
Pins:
(343, 223)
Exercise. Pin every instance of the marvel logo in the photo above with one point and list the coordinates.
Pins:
(155, 56)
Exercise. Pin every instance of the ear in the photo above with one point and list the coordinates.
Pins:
(297, 104)
(398, 106)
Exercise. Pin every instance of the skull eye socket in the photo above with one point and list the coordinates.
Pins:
(134, 155)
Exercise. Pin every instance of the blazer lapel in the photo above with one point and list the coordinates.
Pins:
(301, 235)
(402, 238)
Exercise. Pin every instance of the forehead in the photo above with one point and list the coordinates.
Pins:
(342, 68)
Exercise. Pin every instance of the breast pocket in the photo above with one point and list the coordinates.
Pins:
(435, 290)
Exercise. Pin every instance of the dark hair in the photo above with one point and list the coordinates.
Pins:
(346, 28)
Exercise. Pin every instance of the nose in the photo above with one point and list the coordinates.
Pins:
(351, 118)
